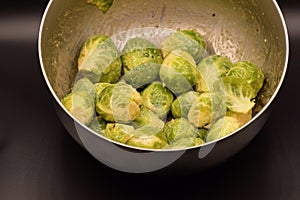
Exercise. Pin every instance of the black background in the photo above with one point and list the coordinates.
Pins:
(39, 160)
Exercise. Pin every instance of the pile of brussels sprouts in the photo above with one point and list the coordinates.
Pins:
(171, 96)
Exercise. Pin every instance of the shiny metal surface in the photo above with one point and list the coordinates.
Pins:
(243, 30)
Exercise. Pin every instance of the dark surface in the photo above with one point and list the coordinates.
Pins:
(40, 161)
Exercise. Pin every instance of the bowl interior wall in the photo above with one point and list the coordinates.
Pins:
(241, 30)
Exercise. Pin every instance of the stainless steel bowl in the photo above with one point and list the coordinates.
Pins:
(252, 30)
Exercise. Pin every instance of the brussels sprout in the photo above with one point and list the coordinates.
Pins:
(185, 142)
(142, 75)
(151, 129)
(119, 103)
(85, 85)
(242, 118)
(202, 133)
(177, 129)
(138, 51)
(222, 127)
(148, 123)
(186, 40)
(211, 68)
(126, 134)
(100, 87)
(141, 61)
(179, 72)
(103, 5)
(81, 101)
(147, 118)
(119, 132)
(182, 104)
(99, 60)
(98, 125)
(239, 94)
(158, 99)
(81, 106)
(249, 73)
(147, 141)
(208, 108)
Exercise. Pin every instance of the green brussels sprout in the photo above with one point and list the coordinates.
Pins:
(186, 40)
(239, 94)
(148, 123)
(185, 142)
(150, 129)
(179, 72)
(158, 99)
(99, 60)
(119, 132)
(211, 68)
(103, 5)
(119, 102)
(138, 51)
(147, 118)
(182, 104)
(249, 73)
(147, 141)
(177, 129)
(222, 127)
(100, 87)
(126, 134)
(85, 85)
(141, 61)
(202, 132)
(242, 118)
(81, 101)
(142, 75)
(209, 107)
(98, 125)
